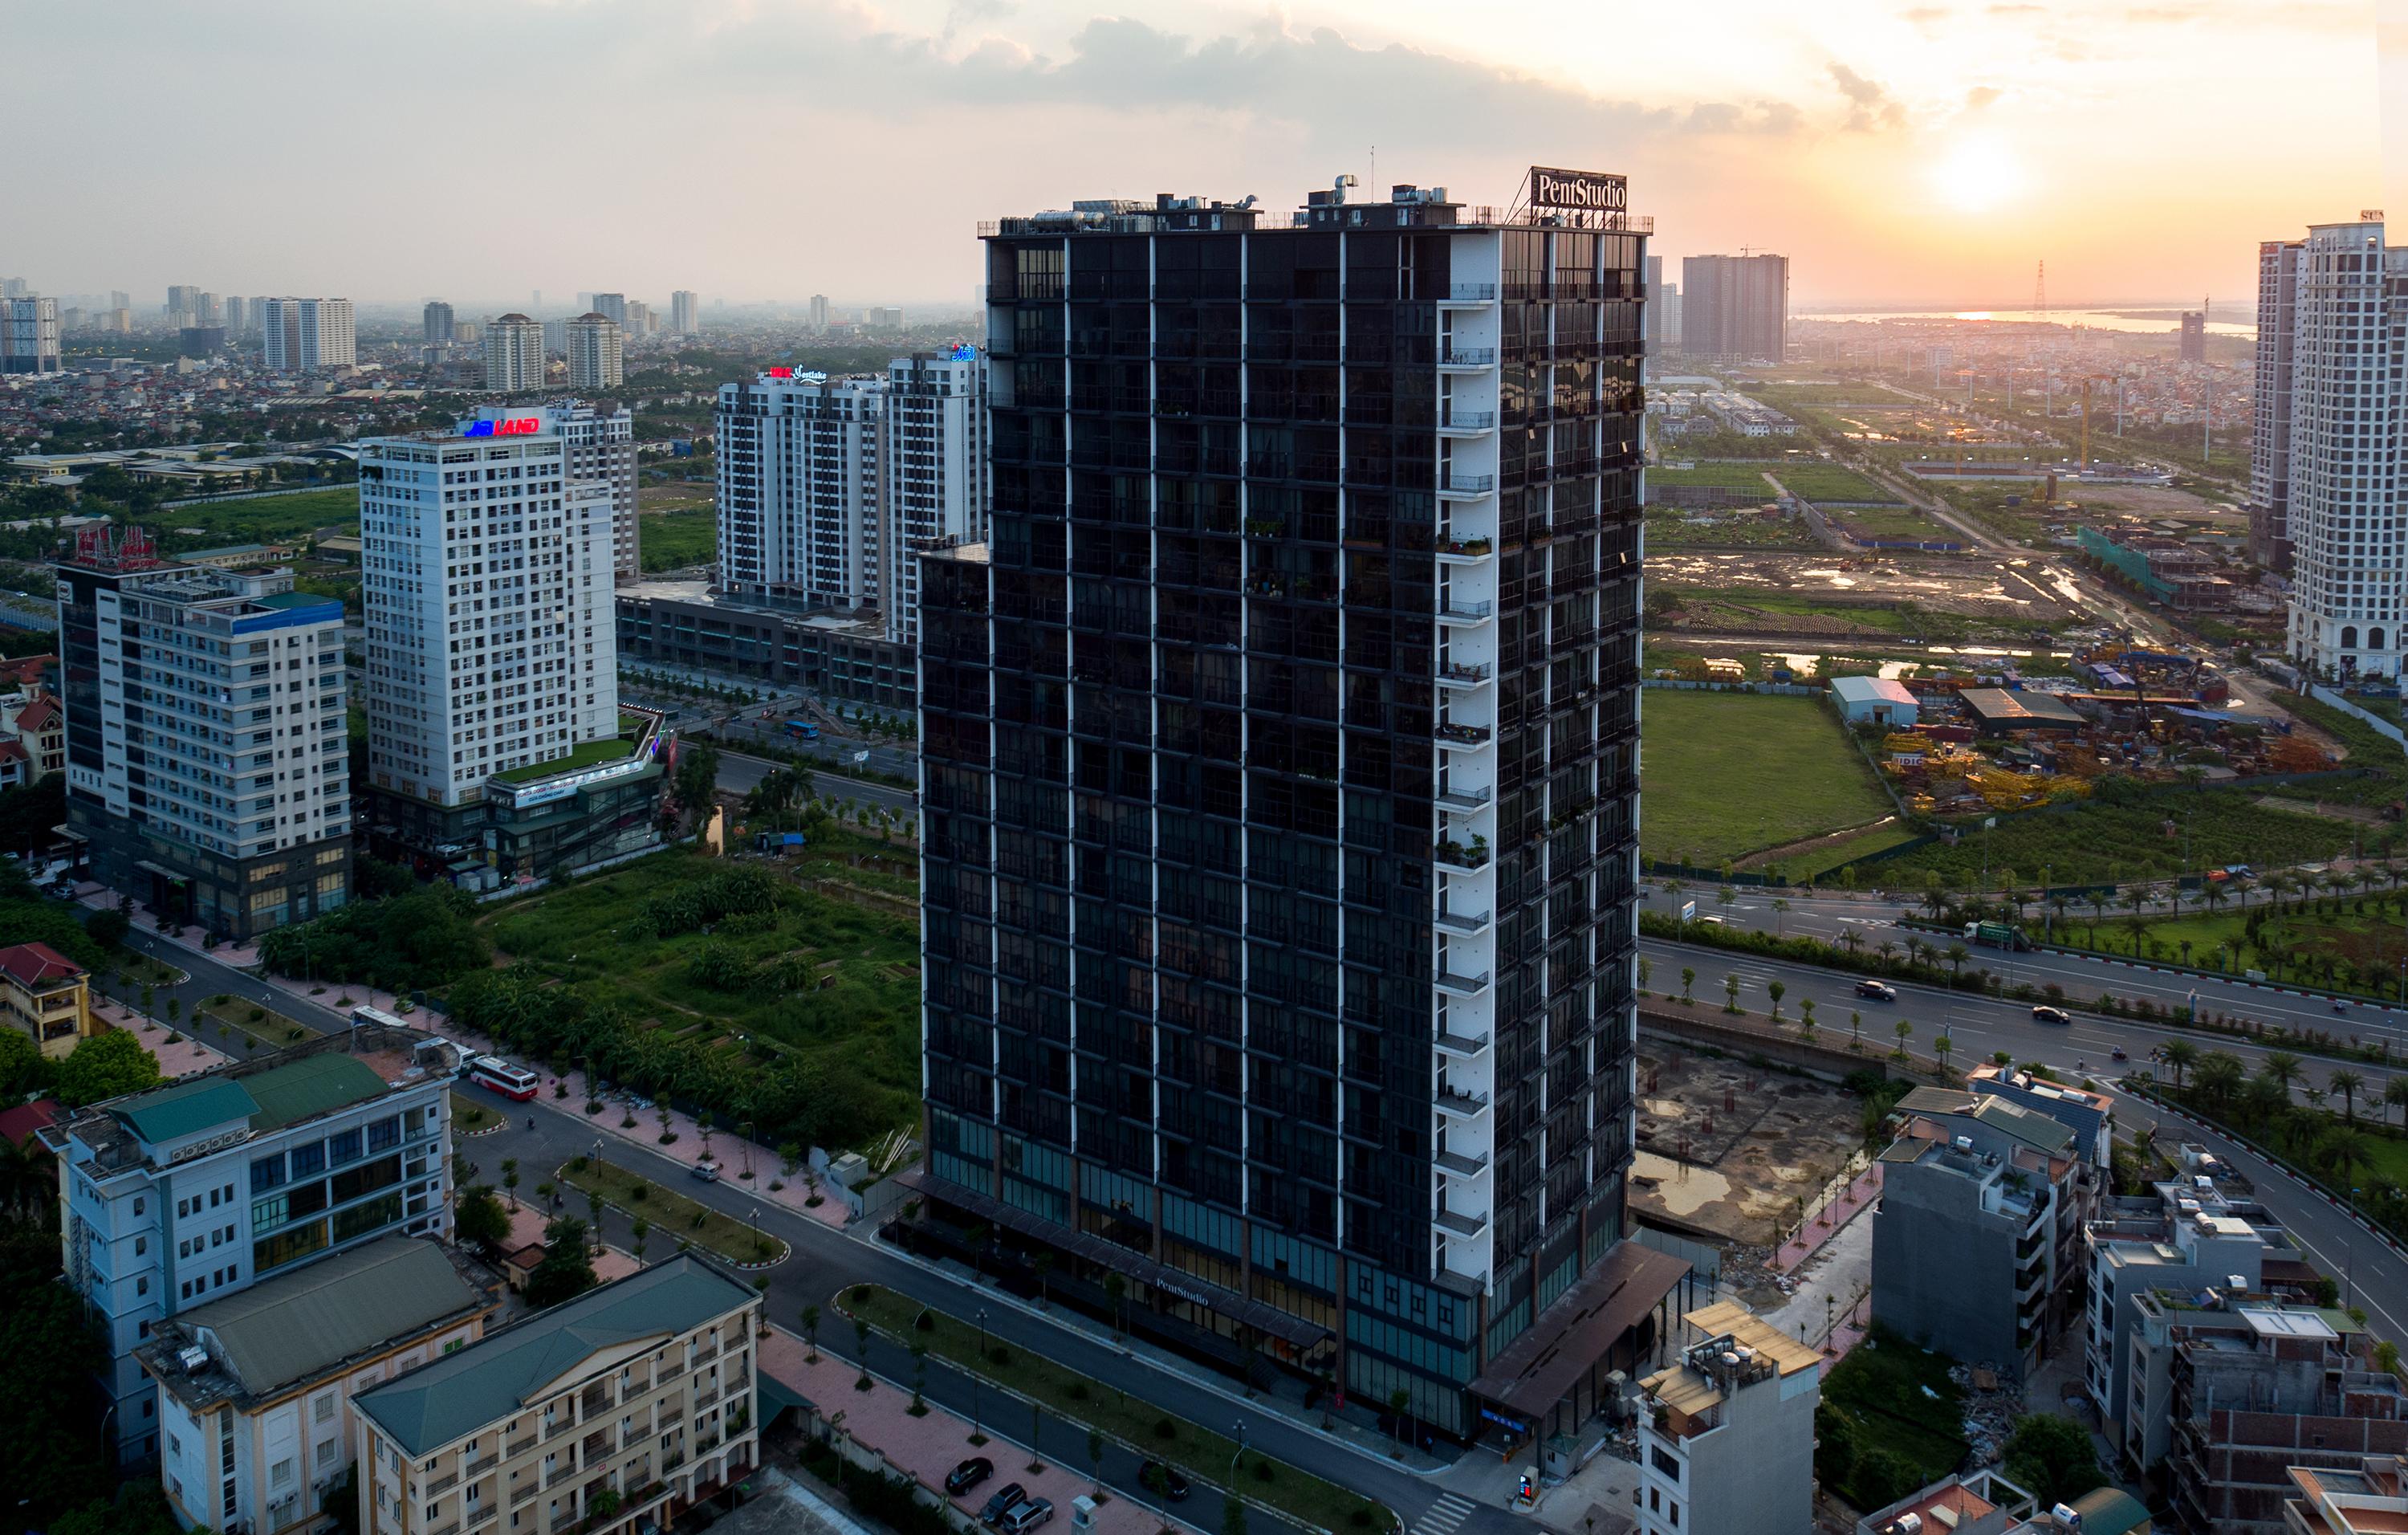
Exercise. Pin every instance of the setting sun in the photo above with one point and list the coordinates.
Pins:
(1977, 175)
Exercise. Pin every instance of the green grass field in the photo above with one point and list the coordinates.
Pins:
(836, 983)
(2366, 934)
(675, 539)
(1824, 864)
(1892, 521)
(1829, 482)
(1728, 773)
(1670, 530)
(255, 519)
(1732, 477)
(2097, 844)
(1899, 1397)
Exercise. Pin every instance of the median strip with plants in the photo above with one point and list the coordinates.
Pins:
(1147, 1430)
(671, 1214)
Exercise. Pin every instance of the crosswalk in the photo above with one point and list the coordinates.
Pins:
(1445, 1515)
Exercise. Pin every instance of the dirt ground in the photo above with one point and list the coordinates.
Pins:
(2018, 591)
(1728, 1150)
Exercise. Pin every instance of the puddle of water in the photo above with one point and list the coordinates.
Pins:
(1682, 1189)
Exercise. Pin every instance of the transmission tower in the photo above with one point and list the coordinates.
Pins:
(2040, 293)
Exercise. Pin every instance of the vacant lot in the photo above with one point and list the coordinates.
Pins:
(1829, 482)
(1730, 477)
(1892, 521)
(255, 519)
(2096, 843)
(836, 982)
(672, 540)
(1728, 773)
(1893, 1396)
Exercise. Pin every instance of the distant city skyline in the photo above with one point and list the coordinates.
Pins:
(1896, 152)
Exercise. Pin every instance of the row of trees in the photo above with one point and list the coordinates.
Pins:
(791, 1102)
(426, 938)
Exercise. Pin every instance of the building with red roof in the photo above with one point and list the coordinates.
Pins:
(46, 996)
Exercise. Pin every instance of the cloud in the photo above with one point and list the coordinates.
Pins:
(1870, 106)
(1981, 96)
(1925, 15)
(2018, 10)
(2149, 15)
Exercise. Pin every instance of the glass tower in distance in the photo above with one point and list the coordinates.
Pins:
(1281, 791)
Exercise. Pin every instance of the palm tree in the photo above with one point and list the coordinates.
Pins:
(2395, 1093)
(2220, 1075)
(1958, 954)
(510, 1179)
(1851, 942)
(2282, 1068)
(2181, 1054)
(1904, 1031)
(1779, 915)
(2346, 1083)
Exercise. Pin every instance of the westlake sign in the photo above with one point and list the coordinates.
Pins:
(512, 426)
(1594, 190)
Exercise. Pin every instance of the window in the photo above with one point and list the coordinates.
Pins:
(280, 1474)
(323, 1409)
(307, 1159)
(384, 1134)
(266, 1173)
(142, 1285)
(1664, 1464)
(327, 1449)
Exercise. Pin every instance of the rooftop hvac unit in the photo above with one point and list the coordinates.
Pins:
(194, 1359)
(2186, 1205)
(1731, 1360)
(2067, 1517)
(1744, 1353)
(2202, 1183)
(1905, 1524)
(1963, 1144)
(2236, 1283)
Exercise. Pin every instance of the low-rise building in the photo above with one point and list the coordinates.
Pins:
(1874, 700)
(2370, 1499)
(1981, 1502)
(2293, 1388)
(184, 1193)
(1727, 1444)
(1982, 1208)
(46, 996)
(33, 720)
(255, 1390)
(610, 1413)
(687, 623)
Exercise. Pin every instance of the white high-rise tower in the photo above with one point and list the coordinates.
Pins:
(2348, 450)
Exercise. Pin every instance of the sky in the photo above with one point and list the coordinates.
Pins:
(1903, 152)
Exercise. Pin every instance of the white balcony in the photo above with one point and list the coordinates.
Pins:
(1464, 614)
(1459, 677)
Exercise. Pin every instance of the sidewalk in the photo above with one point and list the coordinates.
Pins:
(1860, 1194)
(180, 1059)
(932, 1445)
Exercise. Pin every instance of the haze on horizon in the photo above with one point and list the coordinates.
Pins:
(1901, 152)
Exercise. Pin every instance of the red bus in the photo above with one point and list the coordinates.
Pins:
(512, 1081)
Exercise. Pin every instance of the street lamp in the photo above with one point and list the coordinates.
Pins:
(977, 1370)
(752, 1218)
(1240, 1431)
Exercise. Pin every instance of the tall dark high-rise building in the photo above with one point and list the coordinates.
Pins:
(1281, 788)
(2193, 336)
(1735, 308)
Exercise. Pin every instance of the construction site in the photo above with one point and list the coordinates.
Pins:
(1949, 747)
(1730, 1152)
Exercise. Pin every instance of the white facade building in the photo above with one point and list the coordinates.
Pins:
(828, 490)
(611, 307)
(29, 336)
(208, 760)
(1727, 1444)
(601, 446)
(593, 347)
(685, 311)
(486, 579)
(514, 356)
(184, 1193)
(300, 333)
(2347, 448)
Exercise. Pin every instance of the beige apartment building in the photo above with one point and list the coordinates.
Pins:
(608, 1412)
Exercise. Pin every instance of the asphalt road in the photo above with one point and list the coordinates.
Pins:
(2084, 978)
(824, 1260)
(740, 774)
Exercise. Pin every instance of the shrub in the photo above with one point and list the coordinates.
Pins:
(593, 1105)
(1164, 1429)
(256, 1014)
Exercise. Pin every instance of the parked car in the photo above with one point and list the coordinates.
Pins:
(1004, 1501)
(1880, 991)
(707, 1172)
(969, 1474)
(1023, 1517)
(1155, 1477)
(2046, 1014)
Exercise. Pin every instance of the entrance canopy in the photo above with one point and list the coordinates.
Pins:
(1540, 1367)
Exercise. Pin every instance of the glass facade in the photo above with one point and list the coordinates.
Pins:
(1281, 771)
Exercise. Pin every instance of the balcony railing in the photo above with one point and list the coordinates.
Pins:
(1463, 735)
(1463, 985)
(1475, 856)
(1465, 613)
(1467, 484)
(1467, 420)
(1457, 672)
(1459, 1163)
(1466, 357)
(1470, 293)
(1454, 1100)
(1461, 1224)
